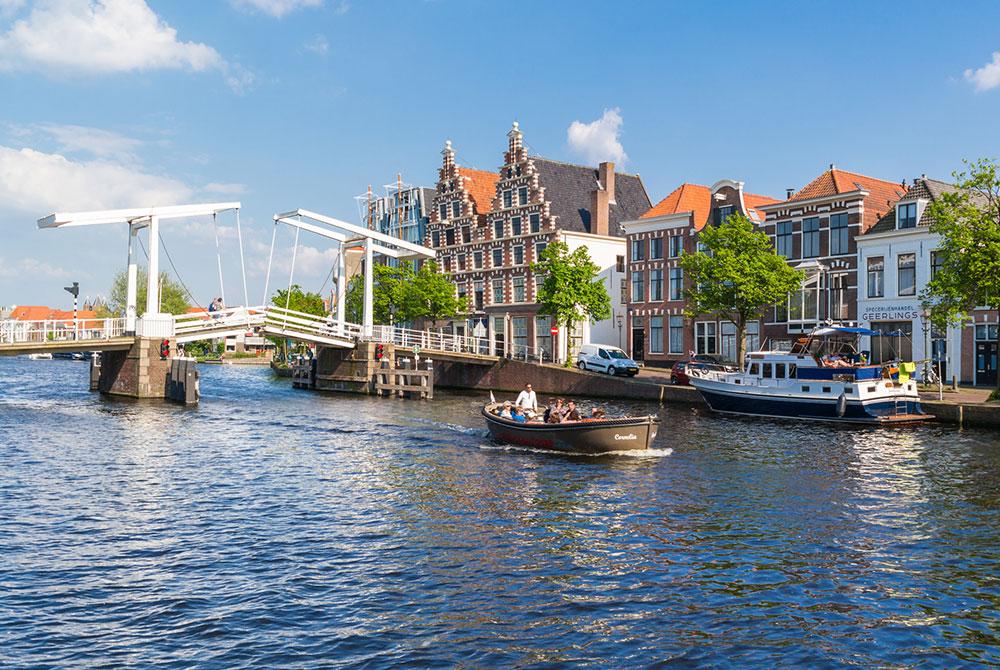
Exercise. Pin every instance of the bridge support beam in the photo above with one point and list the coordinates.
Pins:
(136, 373)
(368, 322)
(132, 279)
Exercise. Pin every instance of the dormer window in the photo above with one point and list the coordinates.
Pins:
(723, 213)
(906, 215)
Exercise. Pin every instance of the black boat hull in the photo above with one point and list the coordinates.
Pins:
(580, 437)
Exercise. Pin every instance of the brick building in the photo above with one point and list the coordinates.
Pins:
(489, 227)
(816, 229)
(659, 331)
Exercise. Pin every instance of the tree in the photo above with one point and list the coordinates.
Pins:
(172, 294)
(431, 294)
(401, 295)
(299, 300)
(738, 276)
(570, 292)
(968, 223)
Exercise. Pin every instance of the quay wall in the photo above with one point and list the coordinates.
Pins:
(511, 376)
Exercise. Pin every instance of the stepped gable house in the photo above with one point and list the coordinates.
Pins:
(660, 334)
(816, 228)
(488, 228)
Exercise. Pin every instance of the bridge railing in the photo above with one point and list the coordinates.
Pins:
(13, 331)
(309, 324)
(224, 319)
(407, 338)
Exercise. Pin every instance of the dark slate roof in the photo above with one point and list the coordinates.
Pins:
(569, 189)
(428, 194)
(922, 189)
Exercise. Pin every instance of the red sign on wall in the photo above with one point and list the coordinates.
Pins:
(554, 330)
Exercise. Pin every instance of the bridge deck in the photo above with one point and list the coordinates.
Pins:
(61, 346)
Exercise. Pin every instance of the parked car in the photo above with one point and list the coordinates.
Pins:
(678, 373)
(605, 358)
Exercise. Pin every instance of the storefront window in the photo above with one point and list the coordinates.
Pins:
(728, 337)
(894, 343)
(656, 334)
(705, 338)
(519, 326)
(543, 336)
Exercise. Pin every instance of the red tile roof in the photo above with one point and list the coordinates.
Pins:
(482, 187)
(754, 202)
(685, 198)
(881, 193)
(43, 313)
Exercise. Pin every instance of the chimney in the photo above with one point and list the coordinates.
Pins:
(602, 198)
(789, 192)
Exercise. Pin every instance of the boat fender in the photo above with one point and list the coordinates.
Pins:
(842, 405)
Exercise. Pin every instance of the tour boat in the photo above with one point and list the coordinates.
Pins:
(823, 378)
(589, 436)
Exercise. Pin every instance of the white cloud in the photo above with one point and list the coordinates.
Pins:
(318, 45)
(598, 140)
(40, 183)
(276, 8)
(32, 267)
(8, 7)
(99, 36)
(95, 141)
(310, 262)
(224, 189)
(986, 77)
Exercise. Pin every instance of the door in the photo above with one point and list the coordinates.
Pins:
(638, 344)
(986, 363)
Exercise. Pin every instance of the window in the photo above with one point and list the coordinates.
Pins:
(676, 283)
(895, 341)
(435, 238)
(638, 250)
(518, 285)
(638, 286)
(723, 213)
(656, 286)
(519, 255)
(539, 281)
(449, 237)
(779, 370)
(810, 238)
(515, 226)
(876, 285)
(507, 199)
(727, 335)
(535, 222)
(838, 234)
(519, 324)
(446, 263)
(543, 336)
(461, 261)
(456, 209)
(477, 259)
(751, 336)
(497, 291)
(656, 248)
(498, 229)
(619, 264)
(704, 338)
(624, 290)
(783, 239)
(522, 195)
(539, 250)
(463, 293)
(676, 245)
(906, 276)
(936, 263)
(443, 211)
(755, 369)
(906, 215)
(466, 235)
(766, 371)
(838, 296)
(677, 334)
(656, 334)
(497, 258)
(477, 288)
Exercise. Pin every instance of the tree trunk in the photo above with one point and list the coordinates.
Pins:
(569, 343)
(741, 329)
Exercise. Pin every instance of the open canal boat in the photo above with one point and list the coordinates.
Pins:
(821, 378)
(589, 436)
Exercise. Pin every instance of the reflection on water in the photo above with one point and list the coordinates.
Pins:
(276, 527)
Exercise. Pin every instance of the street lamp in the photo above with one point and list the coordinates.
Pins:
(925, 317)
(621, 319)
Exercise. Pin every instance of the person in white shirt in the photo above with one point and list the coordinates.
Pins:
(527, 400)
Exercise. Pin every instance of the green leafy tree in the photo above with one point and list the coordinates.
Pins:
(431, 295)
(570, 291)
(738, 276)
(173, 298)
(402, 295)
(968, 223)
(298, 300)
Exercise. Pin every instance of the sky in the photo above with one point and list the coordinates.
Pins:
(285, 104)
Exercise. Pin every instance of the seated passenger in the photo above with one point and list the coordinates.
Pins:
(505, 412)
(597, 414)
(519, 415)
(572, 414)
(555, 414)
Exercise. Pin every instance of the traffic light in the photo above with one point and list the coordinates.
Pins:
(379, 351)
(165, 349)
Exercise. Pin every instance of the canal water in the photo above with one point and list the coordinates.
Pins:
(278, 528)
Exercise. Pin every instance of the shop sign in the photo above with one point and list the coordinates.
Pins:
(890, 312)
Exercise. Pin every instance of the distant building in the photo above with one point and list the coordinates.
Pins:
(659, 332)
(897, 259)
(488, 228)
(816, 229)
(402, 211)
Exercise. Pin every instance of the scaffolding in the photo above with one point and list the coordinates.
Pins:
(401, 212)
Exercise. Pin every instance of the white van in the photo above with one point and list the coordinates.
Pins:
(605, 358)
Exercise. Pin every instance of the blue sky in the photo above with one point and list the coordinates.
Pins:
(303, 103)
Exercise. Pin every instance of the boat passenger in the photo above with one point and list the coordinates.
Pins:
(527, 400)
(519, 415)
(572, 413)
(505, 412)
(597, 414)
(554, 414)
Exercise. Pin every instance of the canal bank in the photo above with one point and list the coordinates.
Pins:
(511, 376)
